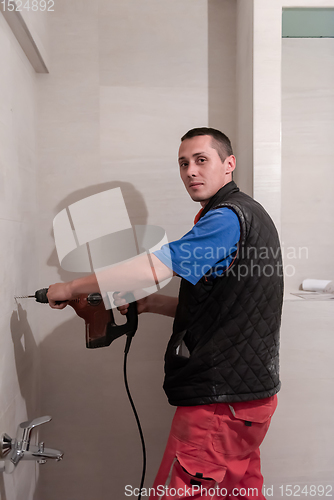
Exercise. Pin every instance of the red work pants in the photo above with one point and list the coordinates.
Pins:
(213, 452)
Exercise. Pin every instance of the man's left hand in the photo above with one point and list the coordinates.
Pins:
(60, 292)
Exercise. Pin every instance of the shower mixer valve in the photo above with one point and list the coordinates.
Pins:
(12, 451)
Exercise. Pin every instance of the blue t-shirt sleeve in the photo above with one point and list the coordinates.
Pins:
(212, 242)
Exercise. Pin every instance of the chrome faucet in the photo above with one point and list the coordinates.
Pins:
(12, 451)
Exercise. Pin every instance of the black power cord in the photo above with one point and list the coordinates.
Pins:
(126, 350)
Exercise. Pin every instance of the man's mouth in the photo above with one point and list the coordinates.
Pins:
(195, 184)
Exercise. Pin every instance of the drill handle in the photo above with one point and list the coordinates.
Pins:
(132, 323)
(41, 296)
(130, 327)
(131, 316)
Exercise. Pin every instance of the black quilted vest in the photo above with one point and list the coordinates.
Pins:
(230, 325)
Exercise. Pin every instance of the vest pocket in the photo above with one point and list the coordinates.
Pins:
(177, 354)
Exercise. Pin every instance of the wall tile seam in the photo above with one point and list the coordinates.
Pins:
(13, 220)
(11, 403)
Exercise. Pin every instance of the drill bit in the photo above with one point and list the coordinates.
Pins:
(39, 295)
(25, 297)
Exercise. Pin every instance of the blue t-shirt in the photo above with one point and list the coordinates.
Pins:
(208, 248)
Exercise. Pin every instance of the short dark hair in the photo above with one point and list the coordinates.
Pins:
(220, 142)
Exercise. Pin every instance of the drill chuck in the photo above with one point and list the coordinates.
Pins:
(41, 296)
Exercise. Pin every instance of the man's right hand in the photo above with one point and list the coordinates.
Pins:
(155, 303)
(123, 306)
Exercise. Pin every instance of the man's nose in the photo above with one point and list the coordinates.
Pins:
(192, 169)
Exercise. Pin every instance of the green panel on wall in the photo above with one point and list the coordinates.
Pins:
(308, 23)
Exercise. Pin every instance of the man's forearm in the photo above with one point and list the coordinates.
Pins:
(138, 273)
(134, 274)
(162, 304)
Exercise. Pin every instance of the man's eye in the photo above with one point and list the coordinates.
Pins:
(183, 165)
(201, 160)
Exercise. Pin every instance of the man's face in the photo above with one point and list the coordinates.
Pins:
(201, 169)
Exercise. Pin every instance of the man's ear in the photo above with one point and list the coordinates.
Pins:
(231, 164)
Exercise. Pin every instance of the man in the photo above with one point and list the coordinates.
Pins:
(221, 364)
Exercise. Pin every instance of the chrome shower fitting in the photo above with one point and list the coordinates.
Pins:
(12, 451)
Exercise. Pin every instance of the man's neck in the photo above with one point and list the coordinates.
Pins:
(205, 202)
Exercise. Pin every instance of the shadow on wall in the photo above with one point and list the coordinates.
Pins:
(2, 488)
(83, 391)
(26, 360)
(134, 202)
(26, 353)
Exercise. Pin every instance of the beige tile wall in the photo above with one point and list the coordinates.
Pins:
(127, 81)
(297, 450)
(19, 339)
(307, 158)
